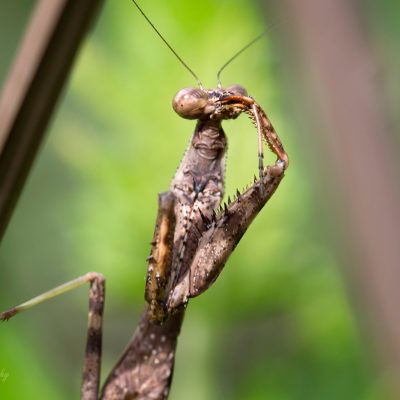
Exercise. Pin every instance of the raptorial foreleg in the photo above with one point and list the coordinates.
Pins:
(223, 234)
(159, 275)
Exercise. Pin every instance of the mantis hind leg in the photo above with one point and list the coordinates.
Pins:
(92, 364)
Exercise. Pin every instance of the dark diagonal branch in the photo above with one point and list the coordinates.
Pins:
(34, 84)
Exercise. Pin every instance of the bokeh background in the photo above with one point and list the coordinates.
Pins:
(280, 323)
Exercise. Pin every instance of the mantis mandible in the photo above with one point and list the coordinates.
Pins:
(193, 240)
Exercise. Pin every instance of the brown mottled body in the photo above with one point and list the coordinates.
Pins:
(145, 369)
(196, 190)
(198, 187)
(191, 242)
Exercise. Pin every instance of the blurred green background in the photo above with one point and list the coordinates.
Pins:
(278, 324)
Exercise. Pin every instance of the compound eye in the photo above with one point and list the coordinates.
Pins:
(237, 90)
(191, 103)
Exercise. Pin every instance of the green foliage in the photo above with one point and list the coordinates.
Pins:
(277, 325)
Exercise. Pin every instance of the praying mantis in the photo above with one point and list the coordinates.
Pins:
(193, 240)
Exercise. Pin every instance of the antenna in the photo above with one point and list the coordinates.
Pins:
(169, 46)
(237, 54)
